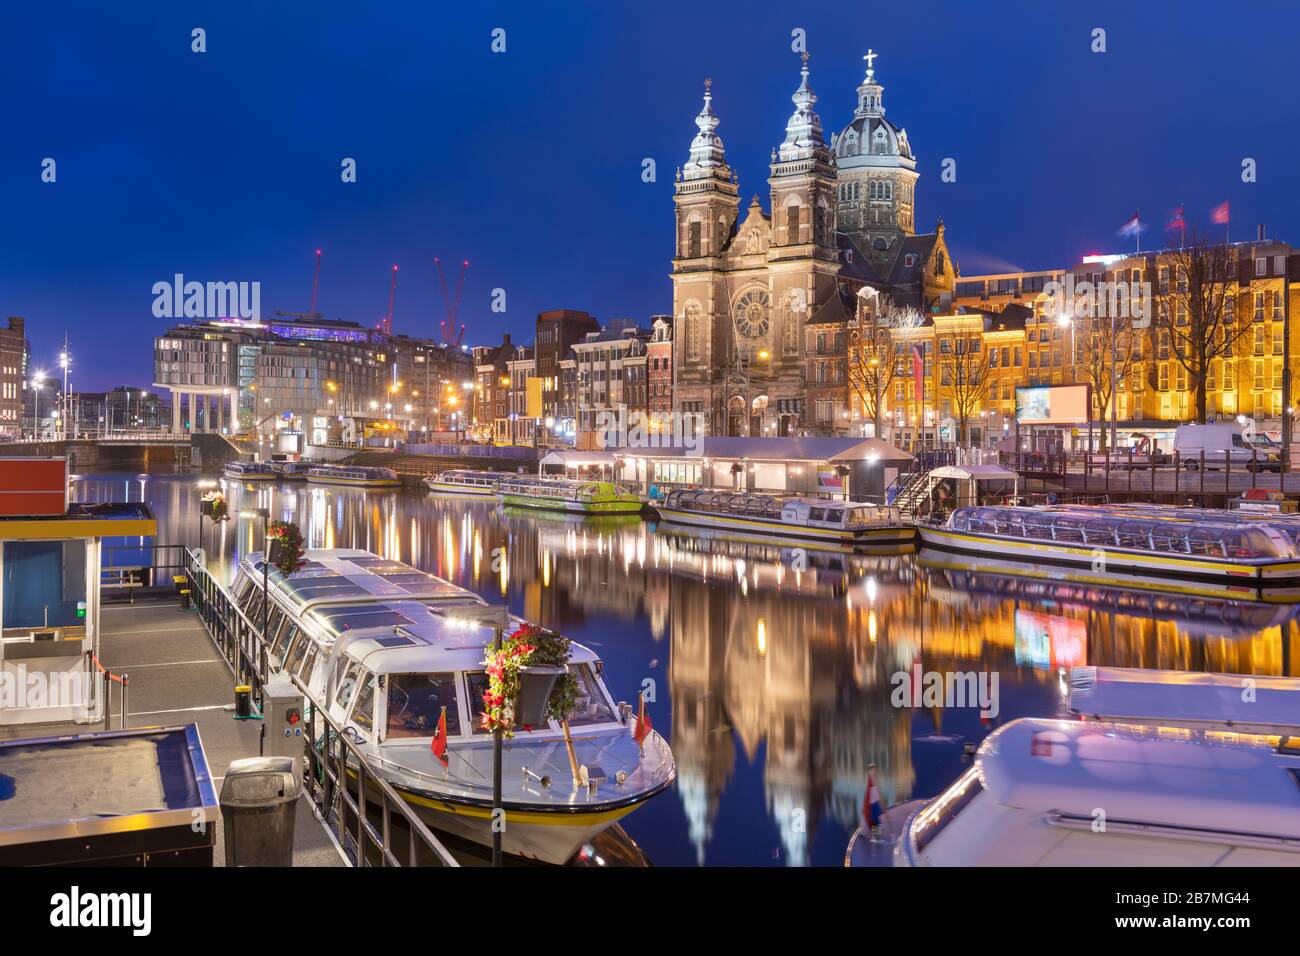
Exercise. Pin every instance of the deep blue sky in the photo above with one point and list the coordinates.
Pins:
(225, 165)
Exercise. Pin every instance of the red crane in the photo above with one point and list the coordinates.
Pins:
(392, 294)
(451, 306)
(315, 283)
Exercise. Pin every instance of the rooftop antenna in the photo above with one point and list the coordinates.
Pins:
(315, 283)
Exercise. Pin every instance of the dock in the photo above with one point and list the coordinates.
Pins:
(177, 676)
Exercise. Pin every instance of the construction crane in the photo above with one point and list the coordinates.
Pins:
(315, 283)
(451, 306)
(392, 295)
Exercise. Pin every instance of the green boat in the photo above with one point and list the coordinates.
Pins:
(563, 494)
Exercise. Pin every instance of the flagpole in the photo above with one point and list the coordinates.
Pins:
(1137, 231)
(496, 769)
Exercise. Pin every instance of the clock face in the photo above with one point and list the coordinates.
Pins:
(752, 314)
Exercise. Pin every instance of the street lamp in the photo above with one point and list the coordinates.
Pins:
(265, 515)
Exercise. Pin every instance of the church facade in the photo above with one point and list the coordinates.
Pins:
(748, 285)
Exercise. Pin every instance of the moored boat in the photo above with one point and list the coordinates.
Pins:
(474, 484)
(1206, 554)
(357, 476)
(384, 647)
(823, 520)
(248, 471)
(291, 470)
(565, 494)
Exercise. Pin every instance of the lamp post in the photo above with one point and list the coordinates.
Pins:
(265, 515)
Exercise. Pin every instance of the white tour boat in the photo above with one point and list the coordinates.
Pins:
(473, 484)
(356, 476)
(248, 471)
(291, 470)
(582, 497)
(1170, 796)
(384, 647)
(1201, 554)
(824, 520)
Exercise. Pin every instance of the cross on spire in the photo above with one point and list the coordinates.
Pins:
(708, 83)
(804, 56)
(871, 60)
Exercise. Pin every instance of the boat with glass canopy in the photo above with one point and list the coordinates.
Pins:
(384, 647)
(357, 476)
(474, 484)
(291, 470)
(825, 520)
(248, 471)
(575, 496)
(1192, 552)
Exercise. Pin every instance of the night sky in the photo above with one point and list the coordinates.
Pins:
(225, 166)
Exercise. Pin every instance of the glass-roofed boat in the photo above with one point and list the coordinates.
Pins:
(248, 471)
(358, 476)
(383, 647)
(566, 494)
(1177, 550)
(291, 470)
(826, 520)
(474, 484)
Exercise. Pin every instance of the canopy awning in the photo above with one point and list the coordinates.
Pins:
(975, 472)
(580, 459)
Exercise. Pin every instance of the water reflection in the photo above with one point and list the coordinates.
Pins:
(770, 669)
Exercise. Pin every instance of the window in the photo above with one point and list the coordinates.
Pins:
(1261, 266)
(693, 243)
(415, 703)
(792, 223)
(363, 710)
(591, 707)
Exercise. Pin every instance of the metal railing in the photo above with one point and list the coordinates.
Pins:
(332, 759)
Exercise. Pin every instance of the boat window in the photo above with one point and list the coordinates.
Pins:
(816, 514)
(274, 621)
(476, 683)
(304, 672)
(415, 702)
(284, 638)
(254, 609)
(363, 710)
(348, 685)
(591, 706)
(297, 650)
(836, 515)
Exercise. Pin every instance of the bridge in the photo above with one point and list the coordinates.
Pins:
(140, 451)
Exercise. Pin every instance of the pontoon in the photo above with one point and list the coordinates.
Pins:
(1070, 793)
(844, 523)
(474, 484)
(1148, 549)
(384, 647)
(248, 471)
(359, 476)
(564, 494)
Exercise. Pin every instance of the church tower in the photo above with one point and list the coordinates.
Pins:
(707, 200)
(877, 175)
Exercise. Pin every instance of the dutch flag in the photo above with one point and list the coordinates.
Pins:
(872, 810)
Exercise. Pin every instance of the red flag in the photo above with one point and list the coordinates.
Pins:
(1176, 220)
(440, 739)
(643, 725)
(1219, 214)
(872, 809)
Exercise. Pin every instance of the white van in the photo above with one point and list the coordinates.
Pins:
(1223, 444)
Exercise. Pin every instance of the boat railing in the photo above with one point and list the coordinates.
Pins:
(332, 758)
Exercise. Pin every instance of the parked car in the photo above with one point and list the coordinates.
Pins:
(1223, 445)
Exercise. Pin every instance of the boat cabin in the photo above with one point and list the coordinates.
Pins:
(804, 512)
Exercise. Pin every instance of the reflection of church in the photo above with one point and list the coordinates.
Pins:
(750, 294)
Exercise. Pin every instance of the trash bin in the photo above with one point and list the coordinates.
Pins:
(258, 799)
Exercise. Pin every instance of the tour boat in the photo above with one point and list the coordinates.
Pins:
(358, 476)
(1074, 793)
(383, 647)
(1187, 553)
(472, 484)
(822, 520)
(291, 470)
(248, 471)
(565, 494)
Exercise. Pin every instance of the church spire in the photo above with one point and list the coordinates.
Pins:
(707, 156)
(869, 99)
(803, 133)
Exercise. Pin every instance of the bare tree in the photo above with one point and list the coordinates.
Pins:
(878, 332)
(1195, 311)
(963, 375)
(1104, 343)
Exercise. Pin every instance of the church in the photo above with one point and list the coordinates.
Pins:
(748, 292)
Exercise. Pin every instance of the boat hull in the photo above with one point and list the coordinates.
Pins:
(356, 482)
(1274, 580)
(256, 477)
(572, 507)
(467, 491)
(854, 538)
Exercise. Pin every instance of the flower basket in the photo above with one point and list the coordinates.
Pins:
(213, 505)
(285, 548)
(535, 685)
(529, 681)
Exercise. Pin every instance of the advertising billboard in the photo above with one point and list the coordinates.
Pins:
(1052, 405)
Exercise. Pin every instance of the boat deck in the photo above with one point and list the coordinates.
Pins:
(178, 677)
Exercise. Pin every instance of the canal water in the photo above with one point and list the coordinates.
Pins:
(775, 673)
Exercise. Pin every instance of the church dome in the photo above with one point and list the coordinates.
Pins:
(870, 140)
